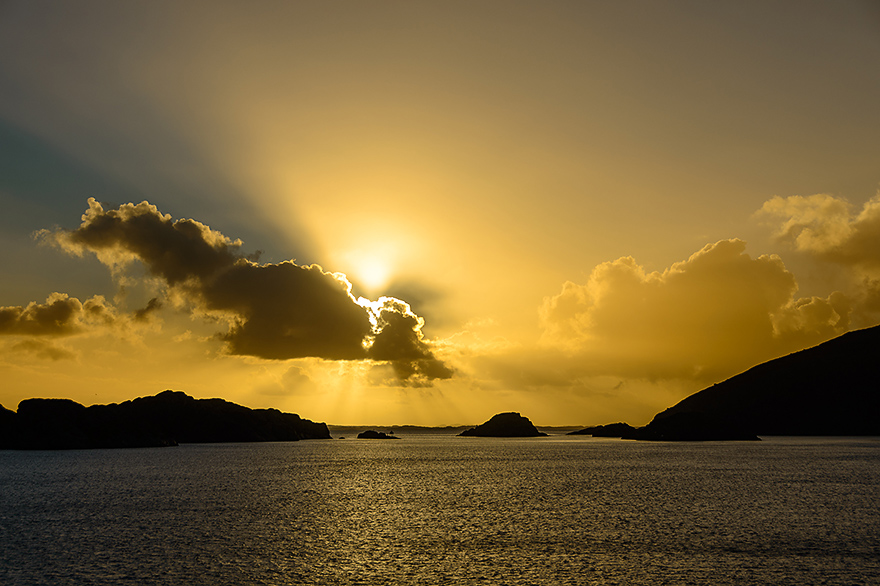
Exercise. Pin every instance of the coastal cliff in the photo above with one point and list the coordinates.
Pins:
(832, 389)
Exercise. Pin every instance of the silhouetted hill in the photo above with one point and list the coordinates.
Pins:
(504, 425)
(830, 389)
(609, 430)
(693, 426)
(7, 426)
(165, 419)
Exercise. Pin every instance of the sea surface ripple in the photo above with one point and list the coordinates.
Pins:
(435, 509)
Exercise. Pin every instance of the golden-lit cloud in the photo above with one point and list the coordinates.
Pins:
(43, 349)
(829, 231)
(400, 342)
(715, 313)
(292, 381)
(37, 329)
(274, 311)
(826, 225)
(60, 315)
(179, 252)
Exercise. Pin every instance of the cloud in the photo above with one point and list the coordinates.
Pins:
(718, 312)
(43, 349)
(143, 314)
(60, 315)
(827, 230)
(399, 340)
(825, 225)
(179, 252)
(274, 311)
(285, 310)
(294, 381)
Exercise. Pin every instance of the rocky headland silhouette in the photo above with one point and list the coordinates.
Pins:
(167, 419)
(831, 389)
(504, 425)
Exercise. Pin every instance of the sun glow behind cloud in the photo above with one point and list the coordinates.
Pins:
(373, 256)
(374, 272)
(297, 335)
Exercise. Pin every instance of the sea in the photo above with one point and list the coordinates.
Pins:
(439, 509)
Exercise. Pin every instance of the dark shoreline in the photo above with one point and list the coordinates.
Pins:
(167, 419)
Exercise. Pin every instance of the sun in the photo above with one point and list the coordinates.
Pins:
(372, 272)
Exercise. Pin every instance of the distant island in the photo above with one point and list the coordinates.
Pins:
(832, 389)
(167, 419)
(609, 430)
(372, 434)
(504, 425)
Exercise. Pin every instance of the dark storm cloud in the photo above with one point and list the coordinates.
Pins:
(178, 252)
(275, 311)
(400, 342)
(288, 311)
(143, 314)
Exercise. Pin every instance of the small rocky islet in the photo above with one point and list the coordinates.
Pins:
(504, 425)
(373, 434)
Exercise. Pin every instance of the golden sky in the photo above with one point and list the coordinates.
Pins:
(431, 212)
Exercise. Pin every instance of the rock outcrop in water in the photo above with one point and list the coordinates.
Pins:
(504, 425)
(373, 434)
(166, 419)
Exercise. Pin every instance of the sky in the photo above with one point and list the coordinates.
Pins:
(430, 212)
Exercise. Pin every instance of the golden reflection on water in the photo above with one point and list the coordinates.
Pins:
(441, 510)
